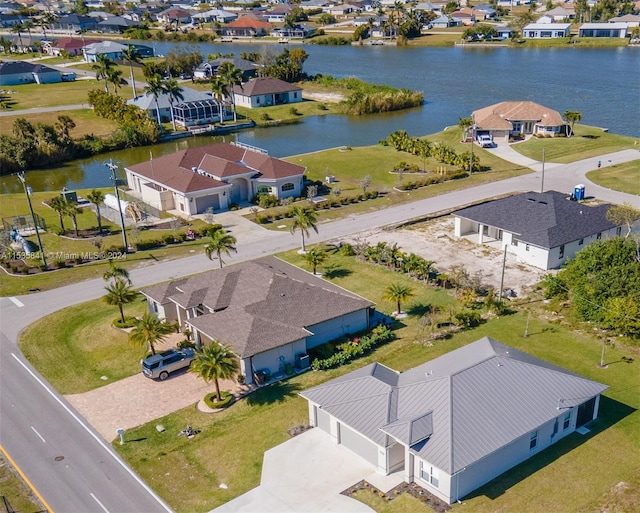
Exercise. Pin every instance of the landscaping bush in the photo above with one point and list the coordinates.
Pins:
(355, 348)
(129, 322)
(468, 319)
(168, 238)
(147, 244)
(210, 400)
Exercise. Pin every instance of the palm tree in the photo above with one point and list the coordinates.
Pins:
(150, 330)
(303, 219)
(232, 76)
(219, 90)
(116, 273)
(115, 78)
(213, 362)
(59, 204)
(102, 68)
(63, 128)
(119, 294)
(174, 91)
(131, 55)
(28, 25)
(155, 87)
(397, 293)
(17, 29)
(315, 256)
(72, 210)
(97, 198)
(221, 242)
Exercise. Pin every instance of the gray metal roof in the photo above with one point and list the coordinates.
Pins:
(460, 407)
(547, 219)
(147, 102)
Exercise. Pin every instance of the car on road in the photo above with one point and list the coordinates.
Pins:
(485, 141)
(160, 365)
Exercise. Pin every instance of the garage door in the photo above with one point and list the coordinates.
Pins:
(323, 420)
(359, 444)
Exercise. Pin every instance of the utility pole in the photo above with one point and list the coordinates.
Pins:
(504, 261)
(114, 177)
(542, 183)
(28, 191)
(473, 136)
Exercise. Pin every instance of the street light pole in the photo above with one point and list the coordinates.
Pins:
(113, 167)
(27, 191)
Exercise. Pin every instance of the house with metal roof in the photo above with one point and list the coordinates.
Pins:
(540, 229)
(21, 72)
(456, 422)
(270, 312)
(266, 92)
(618, 29)
(195, 180)
(546, 30)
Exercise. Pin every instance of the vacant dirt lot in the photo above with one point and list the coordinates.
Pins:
(434, 241)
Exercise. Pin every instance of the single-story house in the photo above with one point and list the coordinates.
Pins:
(113, 50)
(619, 29)
(65, 44)
(215, 15)
(558, 14)
(541, 229)
(513, 118)
(312, 5)
(209, 69)
(278, 13)
(195, 180)
(546, 30)
(632, 20)
(74, 23)
(247, 26)
(174, 15)
(445, 21)
(265, 92)
(116, 25)
(504, 32)
(456, 422)
(20, 72)
(211, 114)
(300, 30)
(270, 312)
(429, 7)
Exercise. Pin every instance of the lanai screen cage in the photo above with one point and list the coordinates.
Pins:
(23, 224)
(199, 112)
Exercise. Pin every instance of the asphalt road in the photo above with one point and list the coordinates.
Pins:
(37, 425)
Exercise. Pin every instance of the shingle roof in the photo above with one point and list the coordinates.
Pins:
(460, 407)
(264, 85)
(499, 115)
(19, 67)
(546, 220)
(259, 305)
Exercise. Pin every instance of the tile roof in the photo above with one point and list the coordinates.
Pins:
(493, 117)
(264, 85)
(458, 408)
(546, 220)
(259, 305)
(248, 22)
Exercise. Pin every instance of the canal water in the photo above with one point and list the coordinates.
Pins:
(600, 83)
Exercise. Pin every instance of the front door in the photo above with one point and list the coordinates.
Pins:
(585, 412)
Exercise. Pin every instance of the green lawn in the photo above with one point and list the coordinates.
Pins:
(85, 119)
(623, 177)
(588, 141)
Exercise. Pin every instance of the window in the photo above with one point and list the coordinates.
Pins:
(295, 95)
(580, 242)
(514, 242)
(257, 100)
(618, 231)
(527, 247)
(429, 474)
(264, 189)
(599, 236)
(562, 251)
(533, 440)
(566, 422)
(287, 187)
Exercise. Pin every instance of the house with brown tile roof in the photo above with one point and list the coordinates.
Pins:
(247, 26)
(270, 312)
(513, 118)
(265, 92)
(194, 180)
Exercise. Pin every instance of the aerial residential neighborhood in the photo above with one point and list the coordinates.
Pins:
(370, 256)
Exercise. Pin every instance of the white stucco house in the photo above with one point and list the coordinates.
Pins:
(195, 180)
(270, 312)
(456, 422)
(546, 30)
(618, 29)
(266, 92)
(540, 229)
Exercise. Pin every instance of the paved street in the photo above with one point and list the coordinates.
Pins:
(37, 425)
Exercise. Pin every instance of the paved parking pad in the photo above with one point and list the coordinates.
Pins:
(306, 475)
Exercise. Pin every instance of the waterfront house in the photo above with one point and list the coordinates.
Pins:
(270, 312)
(455, 423)
(266, 92)
(543, 230)
(247, 26)
(210, 68)
(632, 20)
(212, 177)
(65, 44)
(207, 108)
(603, 30)
(546, 30)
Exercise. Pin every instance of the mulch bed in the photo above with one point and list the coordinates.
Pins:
(424, 496)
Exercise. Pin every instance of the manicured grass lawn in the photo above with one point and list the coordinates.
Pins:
(75, 347)
(587, 141)
(29, 96)
(86, 122)
(624, 177)
(290, 113)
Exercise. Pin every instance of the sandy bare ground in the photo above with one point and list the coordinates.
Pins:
(323, 97)
(434, 241)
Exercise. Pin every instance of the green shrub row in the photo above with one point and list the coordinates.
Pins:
(355, 348)
(408, 186)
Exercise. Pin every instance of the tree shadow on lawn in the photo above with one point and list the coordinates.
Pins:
(331, 273)
(274, 393)
(419, 309)
(610, 412)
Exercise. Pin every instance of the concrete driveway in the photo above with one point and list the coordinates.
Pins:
(306, 475)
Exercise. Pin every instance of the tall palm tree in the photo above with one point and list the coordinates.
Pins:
(314, 257)
(397, 293)
(72, 210)
(303, 219)
(119, 294)
(221, 242)
(97, 198)
(116, 273)
(232, 76)
(63, 128)
(213, 362)
(155, 87)
(59, 204)
(17, 28)
(219, 90)
(174, 92)
(115, 77)
(102, 67)
(150, 330)
(28, 25)
(132, 56)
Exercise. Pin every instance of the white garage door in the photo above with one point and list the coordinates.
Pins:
(359, 444)
(323, 420)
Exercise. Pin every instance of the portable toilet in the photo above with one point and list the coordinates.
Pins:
(578, 192)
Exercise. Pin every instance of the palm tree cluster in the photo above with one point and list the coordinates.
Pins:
(156, 87)
(106, 70)
(226, 77)
(392, 257)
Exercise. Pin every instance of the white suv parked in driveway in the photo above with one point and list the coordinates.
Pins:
(159, 366)
(485, 141)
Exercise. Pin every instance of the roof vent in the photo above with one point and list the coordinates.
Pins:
(282, 294)
(194, 169)
(531, 200)
(542, 202)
